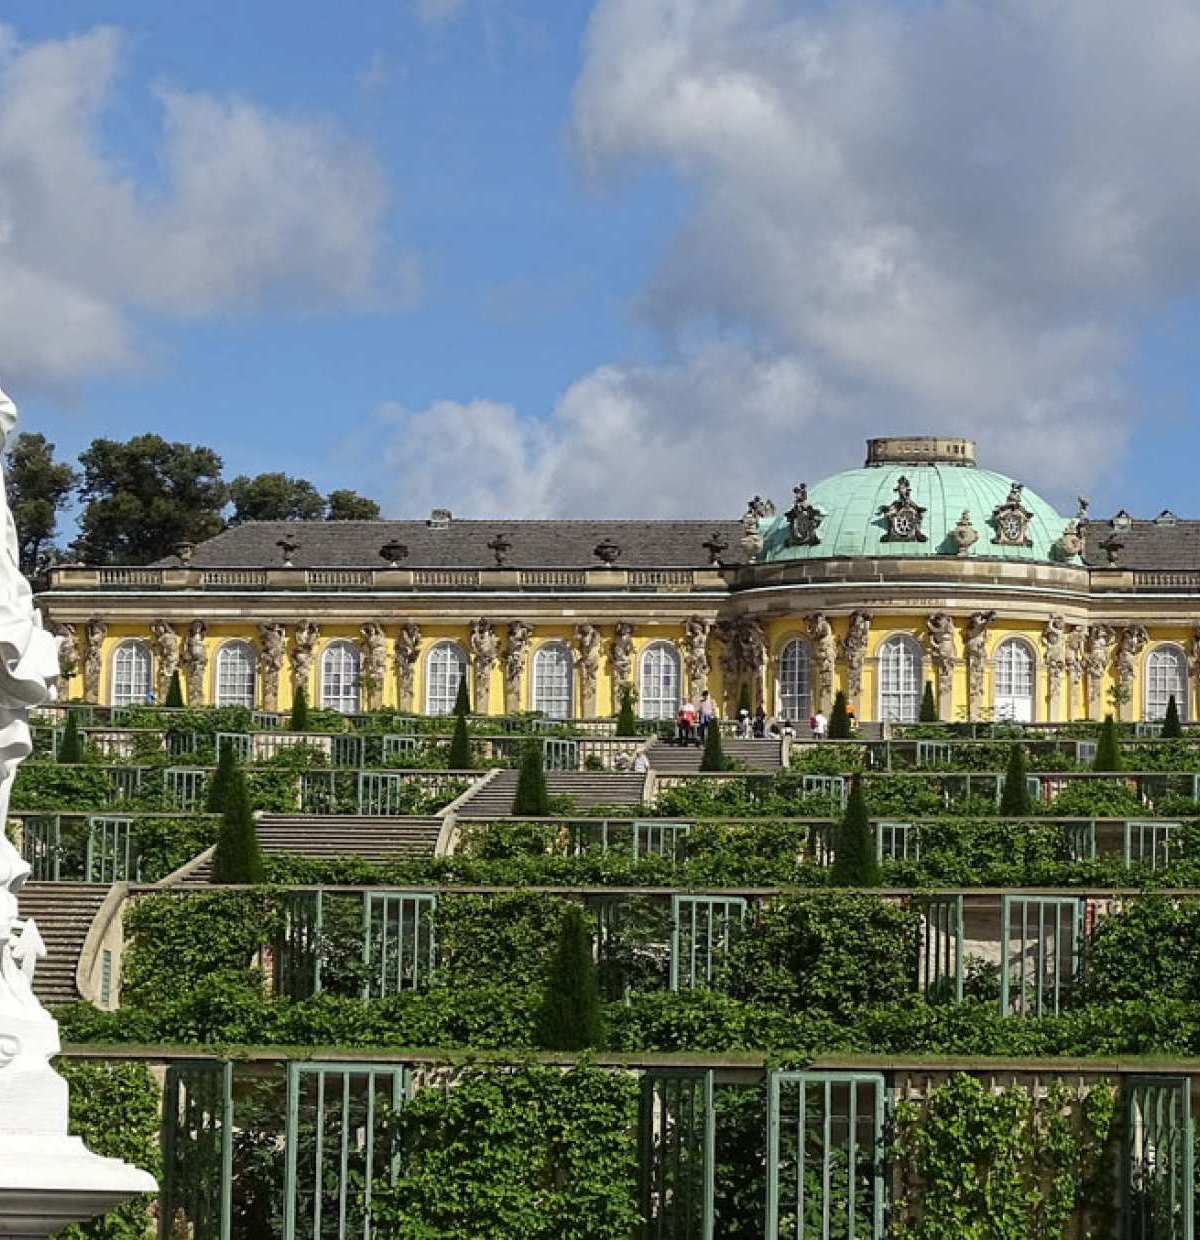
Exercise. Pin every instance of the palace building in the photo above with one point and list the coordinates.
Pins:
(921, 566)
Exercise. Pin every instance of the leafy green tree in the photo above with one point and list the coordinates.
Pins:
(531, 799)
(274, 497)
(713, 758)
(238, 857)
(38, 489)
(70, 748)
(350, 506)
(929, 710)
(462, 700)
(144, 497)
(839, 719)
(626, 719)
(1014, 800)
(1172, 729)
(175, 692)
(855, 862)
(1108, 750)
(459, 758)
(299, 719)
(223, 779)
(570, 1016)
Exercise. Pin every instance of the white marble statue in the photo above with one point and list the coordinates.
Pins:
(47, 1178)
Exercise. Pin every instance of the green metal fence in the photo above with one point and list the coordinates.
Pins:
(677, 1154)
(702, 933)
(660, 839)
(1158, 1187)
(185, 787)
(399, 941)
(1041, 941)
(111, 856)
(197, 1144)
(940, 957)
(897, 841)
(41, 846)
(298, 952)
(1149, 842)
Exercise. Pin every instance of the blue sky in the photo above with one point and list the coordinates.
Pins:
(638, 256)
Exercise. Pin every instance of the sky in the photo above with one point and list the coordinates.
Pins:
(622, 258)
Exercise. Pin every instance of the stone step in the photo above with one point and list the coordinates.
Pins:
(587, 789)
(756, 755)
(64, 913)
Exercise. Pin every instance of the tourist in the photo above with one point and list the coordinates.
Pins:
(819, 725)
(708, 713)
(641, 764)
(685, 724)
(743, 724)
(759, 727)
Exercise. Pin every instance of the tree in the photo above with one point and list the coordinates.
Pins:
(713, 758)
(222, 780)
(299, 719)
(462, 700)
(855, 861)
(1014, 800)
(38, 489)
(174, 692)
(350, 506)
(1172, 729)
(626, 719)
(1108, 751)
(570, 1017)
(531, 799)
(929, 711)
(459, 758)
(839, 719)
(238, 857)
(70, 748)
(274, 497)
(146, 496)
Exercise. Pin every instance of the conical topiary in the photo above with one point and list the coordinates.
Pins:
(462, 700)
(223, 779)
(174, 692)
(1108, 751)
(299, 720)
(570, 1017)
(531, 799)
(459, 758)
(839, 719)
(855, 862)
(929, 710)
(238, 857)
(70, 748)
(1172, 729)
(1014, 800)
(713, 758)
(626, 719)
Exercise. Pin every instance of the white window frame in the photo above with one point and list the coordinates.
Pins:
(341, 686)
(660, 679)
(243, 678)
(901, 674)
(445, 666)
(132, 673)
(1005, 677)
(552, 690)
(1165, 673)
(794, 680)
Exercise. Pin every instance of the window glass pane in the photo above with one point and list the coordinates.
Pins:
(339, 678)
(552, 682)
(900, 674)
(444, 669)
(131, 674)
(660, 682)
(235, 675)
(1166, 677)
(795, 697)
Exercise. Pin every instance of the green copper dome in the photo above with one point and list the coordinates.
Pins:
(941, 479)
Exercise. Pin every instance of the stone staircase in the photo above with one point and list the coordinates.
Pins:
(586, 789)
(755, 755)
(374, 839)
(64, 913)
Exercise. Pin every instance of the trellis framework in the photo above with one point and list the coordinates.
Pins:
(1159, 1159)
(1040, 938)
(702, 933)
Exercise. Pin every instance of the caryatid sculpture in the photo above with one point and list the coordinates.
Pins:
(272, 649)
(694, 648)
(408, 651)
(587, 664)
(44, 1173)
(373, 644)
(194, 661)
(516, 652)
(621, 659)
(824, 645)
(975, 645)
(304, 649)
(854, 650)
(485, 650)
(166, 645)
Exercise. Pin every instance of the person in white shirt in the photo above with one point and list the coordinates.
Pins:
(820, 725)
(641, 764)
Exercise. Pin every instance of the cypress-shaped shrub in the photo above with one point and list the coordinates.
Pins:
(222, 781)
(531, 799)
(570, 1016)
(299, 720)
(713, 758)
(929, 710)
(462, 699)
(459, 758)
(626, 719)
(1108, 751)
(855, 863)
(174, 692)
(238, 858)
(1172, 729)
(1014, 800)
(70, 748)
(839, 719)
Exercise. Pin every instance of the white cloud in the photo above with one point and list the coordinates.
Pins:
(251, 207)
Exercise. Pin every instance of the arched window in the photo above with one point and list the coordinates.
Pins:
(901, 671)
(1166, 678)
(340, 667)
(444, 669)
(660, 682)
(552, 681)
(131, 664)
(235, 675)
(1014, 680)
(795, 696)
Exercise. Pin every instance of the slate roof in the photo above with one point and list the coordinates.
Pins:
(1147, 544)
(463, 544)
